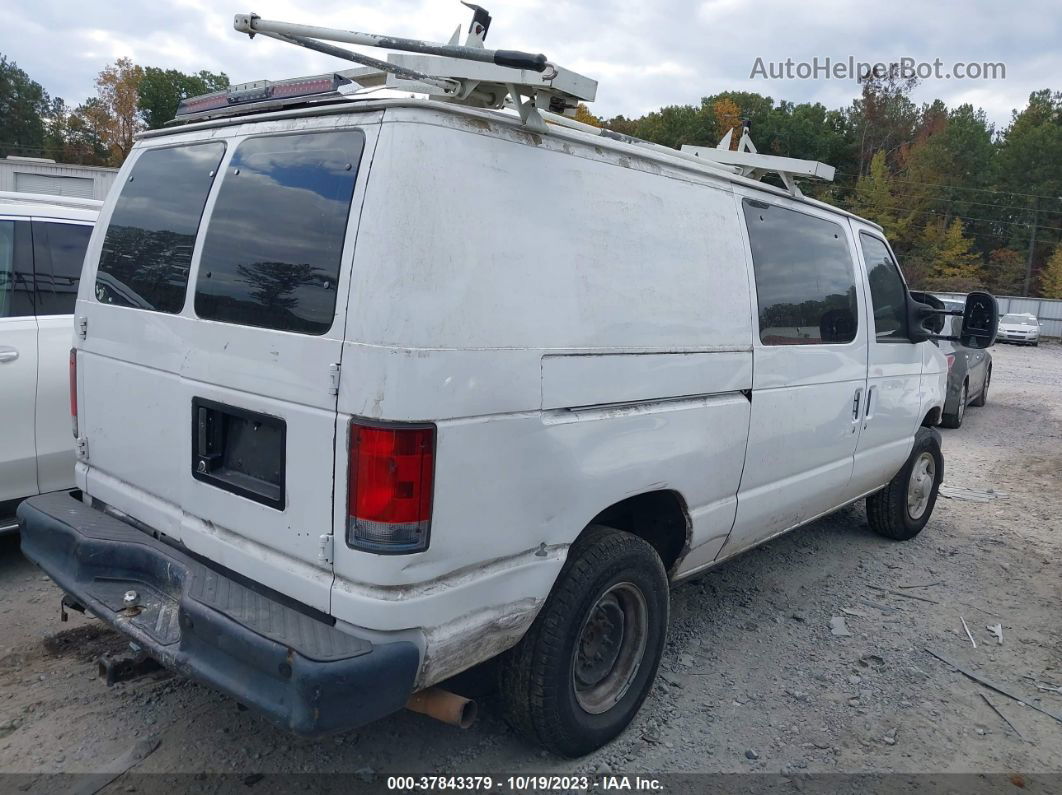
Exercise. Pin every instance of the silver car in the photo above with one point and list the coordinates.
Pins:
(969, 373)
(1019, 328)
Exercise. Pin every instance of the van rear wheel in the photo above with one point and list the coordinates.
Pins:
(901, 509)
(582, 671)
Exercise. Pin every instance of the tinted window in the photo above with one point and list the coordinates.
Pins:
(58, 253)
(805, 282)
(16, 269)
(272, 249)
(887, 291)
(149, 242)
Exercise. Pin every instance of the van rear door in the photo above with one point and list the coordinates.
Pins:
(209, 368)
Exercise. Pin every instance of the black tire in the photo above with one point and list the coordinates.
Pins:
(954, 420)
(888, 511)
(537, 678)
(983, 397)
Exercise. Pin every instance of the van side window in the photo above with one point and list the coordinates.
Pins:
(148, 247)
(805, 277)
(273, 244)
(887, 290)
(16, 269)
(58, 253)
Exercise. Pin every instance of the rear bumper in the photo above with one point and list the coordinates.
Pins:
(213, 625)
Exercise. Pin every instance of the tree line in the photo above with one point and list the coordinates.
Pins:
(100, 131)
(964, 204)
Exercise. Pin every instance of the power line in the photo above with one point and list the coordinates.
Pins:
(909, 193)
(971, 218)
(960, 187)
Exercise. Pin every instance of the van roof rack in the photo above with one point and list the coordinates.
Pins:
(754, 165)
(467, 74)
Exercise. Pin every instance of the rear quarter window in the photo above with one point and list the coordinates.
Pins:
(148, 247)
(273, 246)
(805, 277)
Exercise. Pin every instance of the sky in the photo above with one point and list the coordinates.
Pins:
(643, 54)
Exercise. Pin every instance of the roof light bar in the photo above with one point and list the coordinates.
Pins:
(260, 91)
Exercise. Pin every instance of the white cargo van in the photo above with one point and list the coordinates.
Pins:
(370, 391)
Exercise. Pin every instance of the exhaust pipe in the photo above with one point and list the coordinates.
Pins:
(444, 705)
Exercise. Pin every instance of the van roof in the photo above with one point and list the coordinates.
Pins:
(40, 204)
(356, 104)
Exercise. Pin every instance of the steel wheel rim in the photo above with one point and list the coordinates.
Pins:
(962, 402)
(920, 485)
(609, 648)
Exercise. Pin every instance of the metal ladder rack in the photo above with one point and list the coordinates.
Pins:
(468, 73)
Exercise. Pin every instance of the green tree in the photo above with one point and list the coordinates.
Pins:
(117, 92)
(1051, 275)
(1029, 162)
(946, 256)
(1005, 271)
(23, 106)
(883, 118)
(160, 91)
(876, 201)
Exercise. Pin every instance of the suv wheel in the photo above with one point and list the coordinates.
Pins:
(954, 420)
(585, 666)
(983, 397)
(901, 509)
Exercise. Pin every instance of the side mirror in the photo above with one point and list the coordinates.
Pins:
(923, 316)
(980, 321)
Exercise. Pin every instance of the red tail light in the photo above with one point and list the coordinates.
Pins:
(951, 360)
(389, 489)
(73, 390)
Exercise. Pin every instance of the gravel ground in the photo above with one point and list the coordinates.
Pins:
(752, 680)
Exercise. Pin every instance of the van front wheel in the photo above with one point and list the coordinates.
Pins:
(901, 509)
(585, 666)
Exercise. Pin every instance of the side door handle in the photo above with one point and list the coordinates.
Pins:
(8, 354)
(867, 411)
(857, 402)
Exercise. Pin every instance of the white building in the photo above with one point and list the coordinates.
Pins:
(41, 175)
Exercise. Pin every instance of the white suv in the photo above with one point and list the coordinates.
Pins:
(42, 248)
(370, 391)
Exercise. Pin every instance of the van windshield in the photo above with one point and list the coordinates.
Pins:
(271, 256)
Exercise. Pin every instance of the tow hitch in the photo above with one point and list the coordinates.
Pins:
(126, 667)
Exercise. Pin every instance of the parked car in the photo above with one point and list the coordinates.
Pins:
(370, 391)
(969, 373)
(42, 247)
(1021, 328)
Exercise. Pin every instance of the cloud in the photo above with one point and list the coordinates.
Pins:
(645, 54)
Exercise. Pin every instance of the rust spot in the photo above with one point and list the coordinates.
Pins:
(479, 124)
